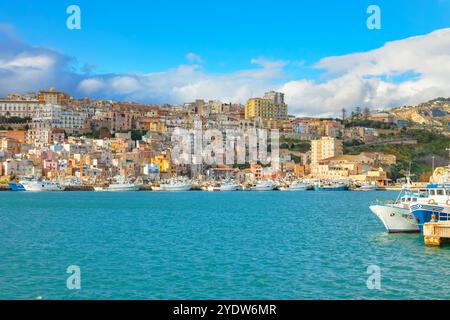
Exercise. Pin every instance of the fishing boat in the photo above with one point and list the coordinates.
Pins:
(263, 186)
(396, 216)
(16, 186)
(331, 187)
(173, 186)
(121, 185)
(298, 186)
(368, 187)
(36, 185)
(225, 187)
(436, 206)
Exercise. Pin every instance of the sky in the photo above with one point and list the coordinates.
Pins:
(319, 53)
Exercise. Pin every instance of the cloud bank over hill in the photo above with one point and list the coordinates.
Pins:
(400, 72)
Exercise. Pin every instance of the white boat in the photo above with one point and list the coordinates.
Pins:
(121, 185)
(368, 187)
(263, 186)
(40, 185)
(396, 216)
(173, 186)
(298, 186)
(225, 187)
(72, 183)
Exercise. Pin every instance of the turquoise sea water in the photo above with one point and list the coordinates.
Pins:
(202, 245)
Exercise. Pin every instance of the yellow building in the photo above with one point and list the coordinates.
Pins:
(324, 148)
(338, 171)
(163, 162)
(152, 124)
(53, 97)
(376, 175)
(271, 106)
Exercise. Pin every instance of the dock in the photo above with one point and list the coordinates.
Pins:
(436, 233)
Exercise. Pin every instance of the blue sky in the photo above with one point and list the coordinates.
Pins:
(127, 36)
(140, 37)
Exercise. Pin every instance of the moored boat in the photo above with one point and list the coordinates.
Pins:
(173, 186)
(298, 186)
(225, 187)
(16, 186)
(121, 185)
(368, 187)
(331, 187)
(395, 215)
(436, 205)
(37, 185)
(263, 186)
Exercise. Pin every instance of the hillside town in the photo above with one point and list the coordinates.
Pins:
(52, 136)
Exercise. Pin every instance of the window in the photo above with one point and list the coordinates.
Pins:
(440, 192)
(432, 192)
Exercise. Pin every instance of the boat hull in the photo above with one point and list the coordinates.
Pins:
(16, 186)
(36, 186)
(396, 219)
(172, 188)
(117, 189)
(298, 188)
(225, 187)
(262, 188)
(423, 213)
(330, 188)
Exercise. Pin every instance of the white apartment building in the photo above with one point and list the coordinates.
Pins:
(59, 117)
(19, 108)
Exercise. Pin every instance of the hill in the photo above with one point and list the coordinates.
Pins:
(432, 113)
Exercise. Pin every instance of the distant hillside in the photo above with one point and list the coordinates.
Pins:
(432, 113)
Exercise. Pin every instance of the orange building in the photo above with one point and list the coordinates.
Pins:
(18, 135)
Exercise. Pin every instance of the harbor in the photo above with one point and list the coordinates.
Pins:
(172, 245)
(424, 211)
(122, 185)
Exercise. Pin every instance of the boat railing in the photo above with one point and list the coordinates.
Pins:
(443, 216)
(384, 202)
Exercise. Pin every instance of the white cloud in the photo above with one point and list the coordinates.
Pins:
(401, 72)
(193, 57)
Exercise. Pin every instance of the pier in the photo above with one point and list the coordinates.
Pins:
(436, 233)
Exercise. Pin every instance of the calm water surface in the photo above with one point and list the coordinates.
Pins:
(202, 245)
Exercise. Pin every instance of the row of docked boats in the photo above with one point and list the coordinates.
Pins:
(412, 209)
(121, 184)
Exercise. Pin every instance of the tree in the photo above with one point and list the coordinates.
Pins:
(366, 113)
(343, 114)
(104, 133)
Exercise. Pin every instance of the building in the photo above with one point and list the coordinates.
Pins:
(324, 148)
(58, 117)
(18, 135)
(382, 117)
(53, 97)
(19, 108)
(271, 106)
(151, 124)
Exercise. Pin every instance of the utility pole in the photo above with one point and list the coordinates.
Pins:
(448, 149)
